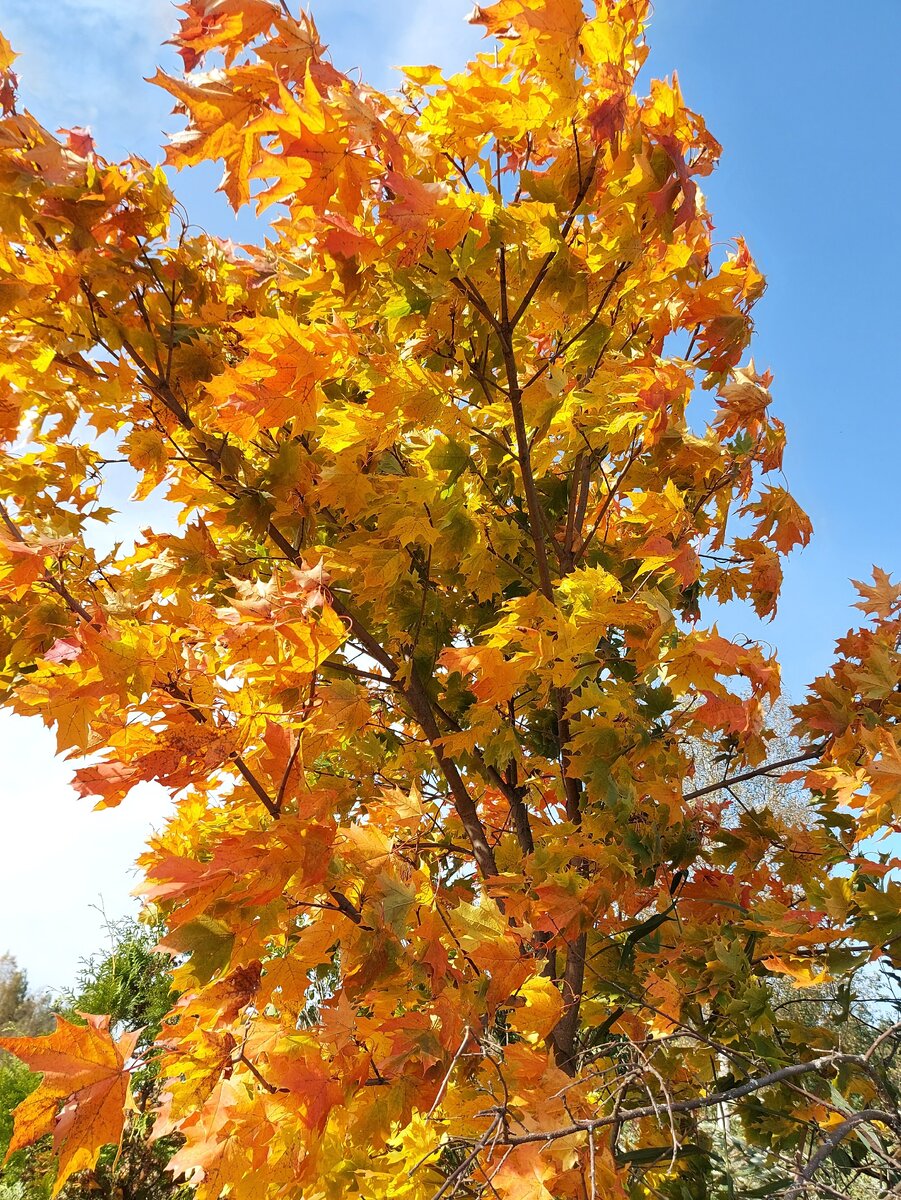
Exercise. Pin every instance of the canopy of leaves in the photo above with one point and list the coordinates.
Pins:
(426, 666)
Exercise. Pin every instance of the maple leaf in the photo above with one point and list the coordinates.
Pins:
(881, 597)
(7, 55)
(780, 519)
(221, 110)
(608, 119)
(213, 1154)
(209, 24)
(80, 141)
(8, 78)
(83, 1092)
(543, 1008)
(524, 1175)
(560, 19)
(744, 401)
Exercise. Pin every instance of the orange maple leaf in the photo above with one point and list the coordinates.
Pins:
(881, 597)
(83, 1096)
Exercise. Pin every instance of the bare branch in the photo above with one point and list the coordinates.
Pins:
(766, 769)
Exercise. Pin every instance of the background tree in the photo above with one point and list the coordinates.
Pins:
(21, 1010)
(423, 666)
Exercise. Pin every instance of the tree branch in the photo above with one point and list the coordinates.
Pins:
(838, 1134)
(813, 752)
(552, 254)
(685, 1106)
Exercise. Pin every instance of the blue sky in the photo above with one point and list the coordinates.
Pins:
(800, 93)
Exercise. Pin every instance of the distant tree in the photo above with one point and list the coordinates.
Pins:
(22, 1012)
(18, 1178)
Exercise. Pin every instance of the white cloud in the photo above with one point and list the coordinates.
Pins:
(84, 64)
(376, 35)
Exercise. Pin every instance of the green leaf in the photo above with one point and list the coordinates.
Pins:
(208, 942)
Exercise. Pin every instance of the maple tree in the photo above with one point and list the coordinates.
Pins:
(424, 669)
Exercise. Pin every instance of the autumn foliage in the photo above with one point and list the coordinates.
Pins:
(457, 901)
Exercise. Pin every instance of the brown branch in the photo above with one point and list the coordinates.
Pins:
(686, 1106)
(261, 1080)
(514, 795)
(592, 320)
(813, 752)
(459, 1173)
(579, 469)
(356, 672)
(838, 1134)
(345, 906)
(581, 506)
(461, 167)
(552, 254)
(563, 1036)
(611, 495)
(499, 1134)
(246, 773)
(56, 584)
(283, 786)
(533, 504)
(421, 708)
(477, 300)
